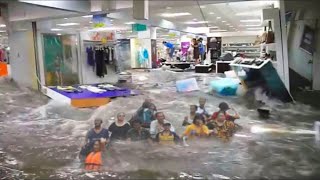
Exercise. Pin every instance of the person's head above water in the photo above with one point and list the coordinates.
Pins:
(202, 102)
(167, 126)
(198, 120)
(160, 117)
(97, 123)
(221, 118)
(96, 146)
(121, 117)
(193, 108)
(224, 106)
(136, 124)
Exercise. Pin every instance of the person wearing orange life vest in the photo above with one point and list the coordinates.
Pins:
(93, 161)
(167, 137)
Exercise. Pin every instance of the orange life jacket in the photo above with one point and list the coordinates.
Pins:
(93, 161)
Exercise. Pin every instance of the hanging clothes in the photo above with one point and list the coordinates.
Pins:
(112, 54)
(107, 55)
(90, 56)
(100, 64)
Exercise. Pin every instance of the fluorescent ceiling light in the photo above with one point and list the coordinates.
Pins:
(107, 28)
(68, 24)
(250, 25)
(250, 13)
(129, 23)
(196, 22)
(59, 34)
(90, 22)
(231, 26)
(224, 21)
(3, 25)
(218, 30)
(2, 31)
(218, 17)
(88, 16)
(260, 28)
(65, 18)
(56, 29)
(168, 7)
(202, 6)
(211, 13)
(195, 19)
(175, 14)
(111, 20)
(251, 20)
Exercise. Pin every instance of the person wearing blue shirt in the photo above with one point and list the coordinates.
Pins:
(171, 48)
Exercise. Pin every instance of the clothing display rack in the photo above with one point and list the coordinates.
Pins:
(99, 55)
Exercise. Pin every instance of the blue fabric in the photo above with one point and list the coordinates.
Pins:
(93, 136)
(201, 48)
(169, 45)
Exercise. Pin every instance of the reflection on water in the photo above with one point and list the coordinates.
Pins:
(41, 138)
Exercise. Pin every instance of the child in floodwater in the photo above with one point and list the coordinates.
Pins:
(188, 119)
(167, 137)
(93, 161)
(197, 128)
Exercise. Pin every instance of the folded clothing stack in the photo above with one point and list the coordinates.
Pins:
(69, 89)
(93, 89)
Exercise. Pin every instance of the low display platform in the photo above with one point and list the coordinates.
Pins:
(180, 65)
(204, 68)
(85, 98)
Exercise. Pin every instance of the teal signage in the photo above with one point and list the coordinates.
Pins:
(139, 27)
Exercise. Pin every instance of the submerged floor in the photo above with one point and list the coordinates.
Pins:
(40, 138)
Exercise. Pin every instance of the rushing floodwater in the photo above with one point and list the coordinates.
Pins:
(40, 138)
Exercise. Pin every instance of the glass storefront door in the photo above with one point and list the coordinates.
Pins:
(60, 59)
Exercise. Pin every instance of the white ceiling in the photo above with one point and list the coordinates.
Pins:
(222, 16)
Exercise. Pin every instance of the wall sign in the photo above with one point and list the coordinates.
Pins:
(307, 41)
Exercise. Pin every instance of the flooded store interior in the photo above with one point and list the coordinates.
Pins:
(55, 85)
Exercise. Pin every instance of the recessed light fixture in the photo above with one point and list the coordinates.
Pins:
(250, 20)
(228, 24)
(129, 23)
(90, 22)
(65, 18)
(88, 16)
(202, 7)
(250, 25)
(111, 20)
(56, 29)
(195, 19)
(168, 7)
(224, 21)
(218, 17)
(59, 34)
(196, 22)
(175, 14)
(68, 24)
(211, 13)
(3, 25)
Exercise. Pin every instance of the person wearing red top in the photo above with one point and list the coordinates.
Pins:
(223, 107)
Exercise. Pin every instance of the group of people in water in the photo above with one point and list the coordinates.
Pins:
(151, 127)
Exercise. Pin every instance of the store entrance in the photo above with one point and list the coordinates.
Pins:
(60, 59)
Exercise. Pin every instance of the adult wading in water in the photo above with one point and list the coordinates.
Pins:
(95, 134)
